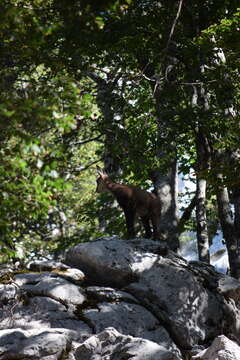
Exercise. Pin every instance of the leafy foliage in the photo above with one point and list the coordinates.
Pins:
(75, 74)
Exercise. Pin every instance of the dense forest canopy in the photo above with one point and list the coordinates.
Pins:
(149, 90)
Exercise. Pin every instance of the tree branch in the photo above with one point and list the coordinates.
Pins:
(174, 25)
(87, 140)
(83, 168)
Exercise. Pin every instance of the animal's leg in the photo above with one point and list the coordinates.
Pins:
(130, 218)
(147, 227)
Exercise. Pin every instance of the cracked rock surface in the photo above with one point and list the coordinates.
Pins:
(114, 299)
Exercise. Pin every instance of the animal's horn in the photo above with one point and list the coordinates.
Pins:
(101, 171)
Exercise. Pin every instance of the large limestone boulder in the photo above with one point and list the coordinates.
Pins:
(185, 298)
(110, 344)
(114, 262)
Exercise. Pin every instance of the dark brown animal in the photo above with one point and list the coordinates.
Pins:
(135, 202)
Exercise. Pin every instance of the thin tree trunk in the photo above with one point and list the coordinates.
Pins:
(201, 209)
(236, 202)
(200, 101)
(201, 217)
(228, 229)
(106, 101)
(234, 165)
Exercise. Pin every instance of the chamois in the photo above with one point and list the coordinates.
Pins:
(135, 202)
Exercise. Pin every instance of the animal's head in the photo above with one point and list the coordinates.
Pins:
(101, 180)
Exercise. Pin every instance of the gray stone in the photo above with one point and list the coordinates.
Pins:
(184, 297)
(41, 312)
(8, 292)
(109, 294)
(110, 344)
(32, 278)
(140, 322)
(51, 285)
(191, 311)
(74, 275)
(229, 287)
(221, 349)
(113, 262)
(22, 307)
(34, 344)
(5, 271)
(158, 304)
(47, 265)
(127, 317)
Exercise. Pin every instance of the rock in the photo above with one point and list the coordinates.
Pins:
(160, 306)
(5, 271)
(47, 265)
(219, 259)
(50, 305)
(109, 294)
(182, 296)
(74, 275)
(111, 309)
(113, 262)
(192, 313)
(229, 287)
(221, 349)
(140, 322)
(8, 292)
(110, 344)
(51, 285)
(37, 344)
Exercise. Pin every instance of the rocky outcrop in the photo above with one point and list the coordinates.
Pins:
(120, 346)
(222, 348)
(35, 344)
(116, 299)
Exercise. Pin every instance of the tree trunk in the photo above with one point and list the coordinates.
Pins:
(165, 182)
(234, 160)
(201, 217)
(166, 187)
(236, 203)
(228, 229)
(200, 102)
(201, 210)
(107, 102)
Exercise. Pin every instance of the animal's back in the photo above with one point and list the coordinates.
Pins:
(143, 201)
(147, 203)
